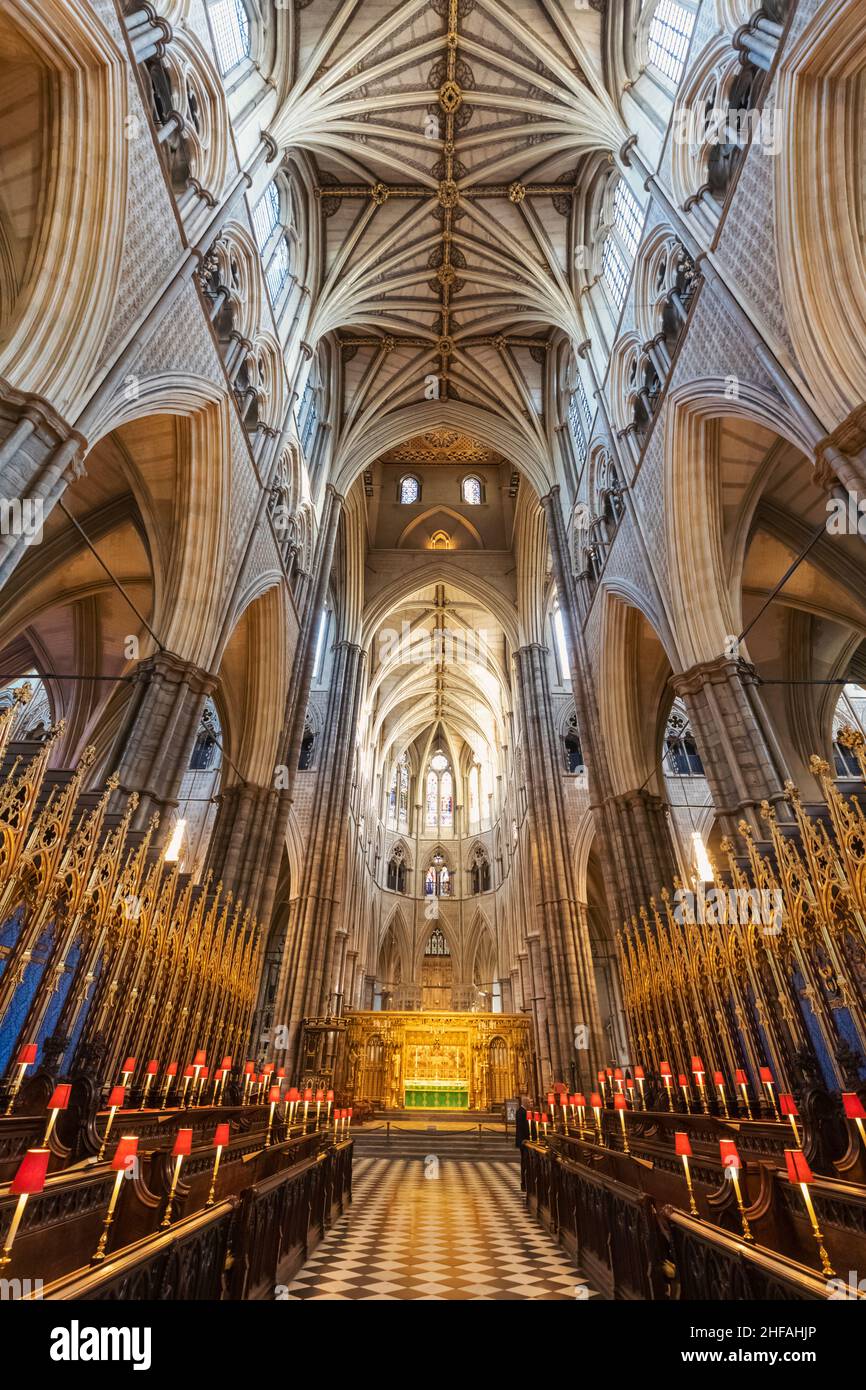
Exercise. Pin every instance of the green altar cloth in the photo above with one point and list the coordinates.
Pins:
(443, 1095)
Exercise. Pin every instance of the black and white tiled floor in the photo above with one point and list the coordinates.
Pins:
(464, 1234)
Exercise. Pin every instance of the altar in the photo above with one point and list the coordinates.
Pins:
(436, 1060)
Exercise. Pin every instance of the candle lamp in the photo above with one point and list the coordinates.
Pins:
(202, 1078)
(719, 1083)
(617, 1077)
(853, 1107)
(127, 1071)
(26, 1058)
(621, 1104)
(293, 1096)
(127, 1148)
(601, 1085)
(249, 1072)
(731, 1161)
(788, 1107)
(743, 1084)
(686, 1090)
(595, 1102)
(684, 1149)
(224, 1071)
(273, 1101)
(349, 1118)
(182, 1149)
(115, 1103)
(667, 1081)
(699, 1072)
(220, 1139)
(329, 1099)
(640, 1078)
(308, 1098)
(188, 1076)
(150, 1072)
(27, 1182)
(199, 1061)
(59, 1101)
(630, 1090)
(580, 1102)
(544, 1123)
(320, 1101)
(800, 1173)
(170, 1074)
(767, 1079)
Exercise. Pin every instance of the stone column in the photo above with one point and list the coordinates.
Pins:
(646, 859)
(566, 954)
(153, 748)
(245, 823)
(308, 978)
(742, 761)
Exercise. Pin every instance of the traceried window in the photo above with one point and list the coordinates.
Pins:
(231, 31)
(437, 945)
(573, 752)
(475, 795)
(437, 883)
(398, 797)
(669, 34)
(562, 661)
(269, 225)
(472, 491)
(621, 242)
(681, 752)
(410, 490)
(439, 797)
(440, 540)
(577, 433)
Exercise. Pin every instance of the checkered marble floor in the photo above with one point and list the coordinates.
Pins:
(464, 1234)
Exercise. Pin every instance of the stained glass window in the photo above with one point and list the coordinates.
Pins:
(410, 490)
(472, 493)
(439, 800)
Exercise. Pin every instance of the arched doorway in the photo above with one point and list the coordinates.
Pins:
(436, 972)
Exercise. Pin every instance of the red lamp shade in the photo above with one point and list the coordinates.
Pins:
(683, 1079)
(697, 1065)
(853, 1106)
(281, 1073)
(274, 1095)
(182, 1144)
(117, 1097)
(171, 1069)
(349, 1112)
(595, 1100)
(741, 1078)
(218, 1074)
(639, 1074)
(580, 1099)
(329, 1095)
(308, 1094)
(263, 1078)
(728, 1151)
(30, 1177)
(551, 1098)
(26, 1056)
(600, 1076)
(683, 1144)
(718, 1078)
(226, 1064)
(665, 1069)
(249, 1068)
(129, 1064)
(60, 1097)
(629, 1084)
(536, 1117)
(320, 1097)
(617, 1076)
(787, 1105)
(766, 1075)
(620, 1102)
(544, 1118)
(151, 1069)
(609, 1071)
(127, 1147)
(221, 1136)
(190, 1072)
(199, 1059)
(798, 1168)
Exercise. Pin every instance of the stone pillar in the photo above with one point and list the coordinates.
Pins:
(245, 823)
(309, 974)
(646, 859)
(153, 748)
(742, 761)
(566, 957)
(297, 698)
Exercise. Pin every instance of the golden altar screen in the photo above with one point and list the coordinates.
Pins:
(437, 1060)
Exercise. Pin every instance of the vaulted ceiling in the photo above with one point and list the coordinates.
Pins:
(448, 138)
